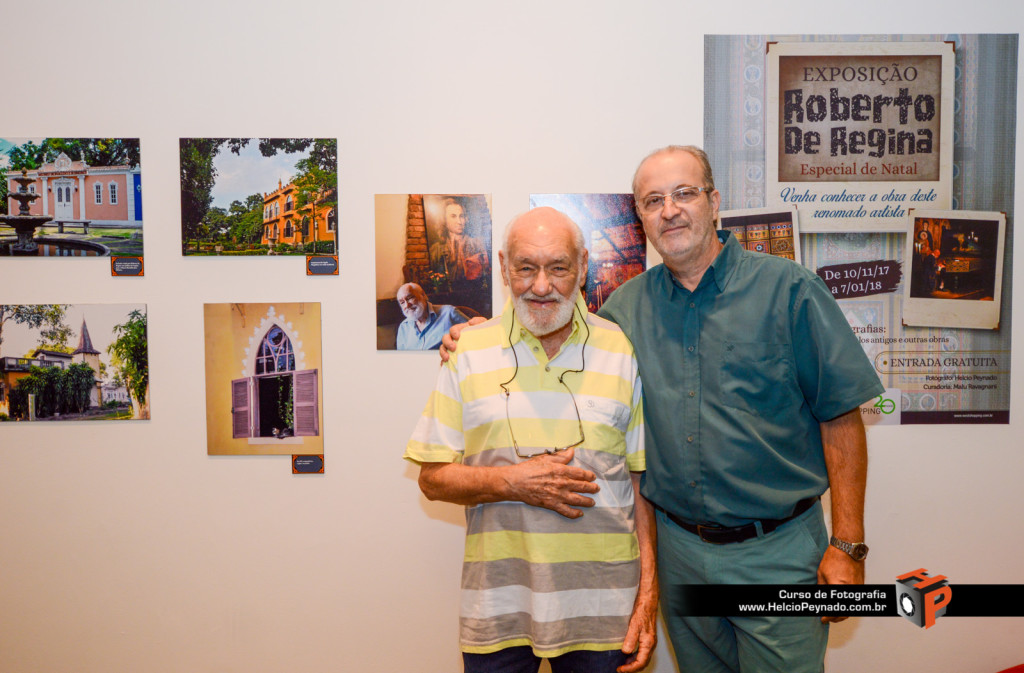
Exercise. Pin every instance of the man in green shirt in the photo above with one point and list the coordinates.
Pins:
(753, 381)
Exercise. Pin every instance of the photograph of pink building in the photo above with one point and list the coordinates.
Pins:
(89, 188)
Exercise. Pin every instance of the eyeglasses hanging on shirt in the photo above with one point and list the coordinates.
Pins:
(561, 380)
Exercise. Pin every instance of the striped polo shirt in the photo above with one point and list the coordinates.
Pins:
(531, 576)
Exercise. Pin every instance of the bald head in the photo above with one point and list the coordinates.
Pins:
(694, 151)
(547, 222)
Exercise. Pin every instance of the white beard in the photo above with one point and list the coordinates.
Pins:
(542, 325)
(416, 313)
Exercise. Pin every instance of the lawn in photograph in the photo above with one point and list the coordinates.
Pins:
(259, 196)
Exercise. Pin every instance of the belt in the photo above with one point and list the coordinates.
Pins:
(715, 534)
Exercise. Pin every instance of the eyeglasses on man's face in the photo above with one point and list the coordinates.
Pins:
(680, 197)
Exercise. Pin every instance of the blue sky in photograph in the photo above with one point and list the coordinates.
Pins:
(249, 172)
(7, 144)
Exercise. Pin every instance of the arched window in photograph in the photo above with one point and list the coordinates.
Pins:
(289, 204)
(278, 401)
(332, 220)
(275, 354)
(305, 226)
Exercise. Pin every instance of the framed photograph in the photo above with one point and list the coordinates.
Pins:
(434, 266)
(263, 379)
(859, 132)
(773, 231)
(955, 258)
(70, 197)
(613, 234)
(259, 196)
(74, 362)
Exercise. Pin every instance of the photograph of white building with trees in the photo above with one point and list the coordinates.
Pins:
(61, 362)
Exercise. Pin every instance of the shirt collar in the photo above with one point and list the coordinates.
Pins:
(720, 270)
(510, 324)
(431, 316)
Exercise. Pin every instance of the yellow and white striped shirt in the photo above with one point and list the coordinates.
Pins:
(531, 576)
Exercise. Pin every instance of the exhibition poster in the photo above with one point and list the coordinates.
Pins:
(938, 329)
(858, 132)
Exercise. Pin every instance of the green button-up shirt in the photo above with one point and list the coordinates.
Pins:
(738, 375)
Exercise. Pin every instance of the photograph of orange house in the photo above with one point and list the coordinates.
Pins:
(284, 221)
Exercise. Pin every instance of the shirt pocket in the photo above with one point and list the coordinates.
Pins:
(604, 411)
(758, 377)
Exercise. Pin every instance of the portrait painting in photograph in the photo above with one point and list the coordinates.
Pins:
(70, 197)
(433, 266)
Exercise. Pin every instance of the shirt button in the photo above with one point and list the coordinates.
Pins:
(689, 348)
(693, 484)
(547, 369)
(692, 305)
(535, 349)
(692, 393)
(690, 438)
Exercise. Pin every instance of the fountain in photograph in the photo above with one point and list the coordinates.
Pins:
(24, 224)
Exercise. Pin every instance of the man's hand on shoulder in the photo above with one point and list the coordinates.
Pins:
(450, 340)
(549, 481)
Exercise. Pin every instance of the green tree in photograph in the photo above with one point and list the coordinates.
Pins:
(246, 220)
(198, 175)
(47, 318)
(56, 390)
(3, 190)
(79, 382)
(215, 221)
(317, 181)
(93, 151)
(130, 358)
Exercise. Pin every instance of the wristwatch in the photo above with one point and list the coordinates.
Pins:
(858, 551)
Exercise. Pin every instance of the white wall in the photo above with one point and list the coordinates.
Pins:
(126, 548)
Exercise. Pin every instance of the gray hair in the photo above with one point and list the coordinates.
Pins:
(694, 151)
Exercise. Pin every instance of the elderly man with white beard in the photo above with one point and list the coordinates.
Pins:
(537, 418)
(425, 324)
